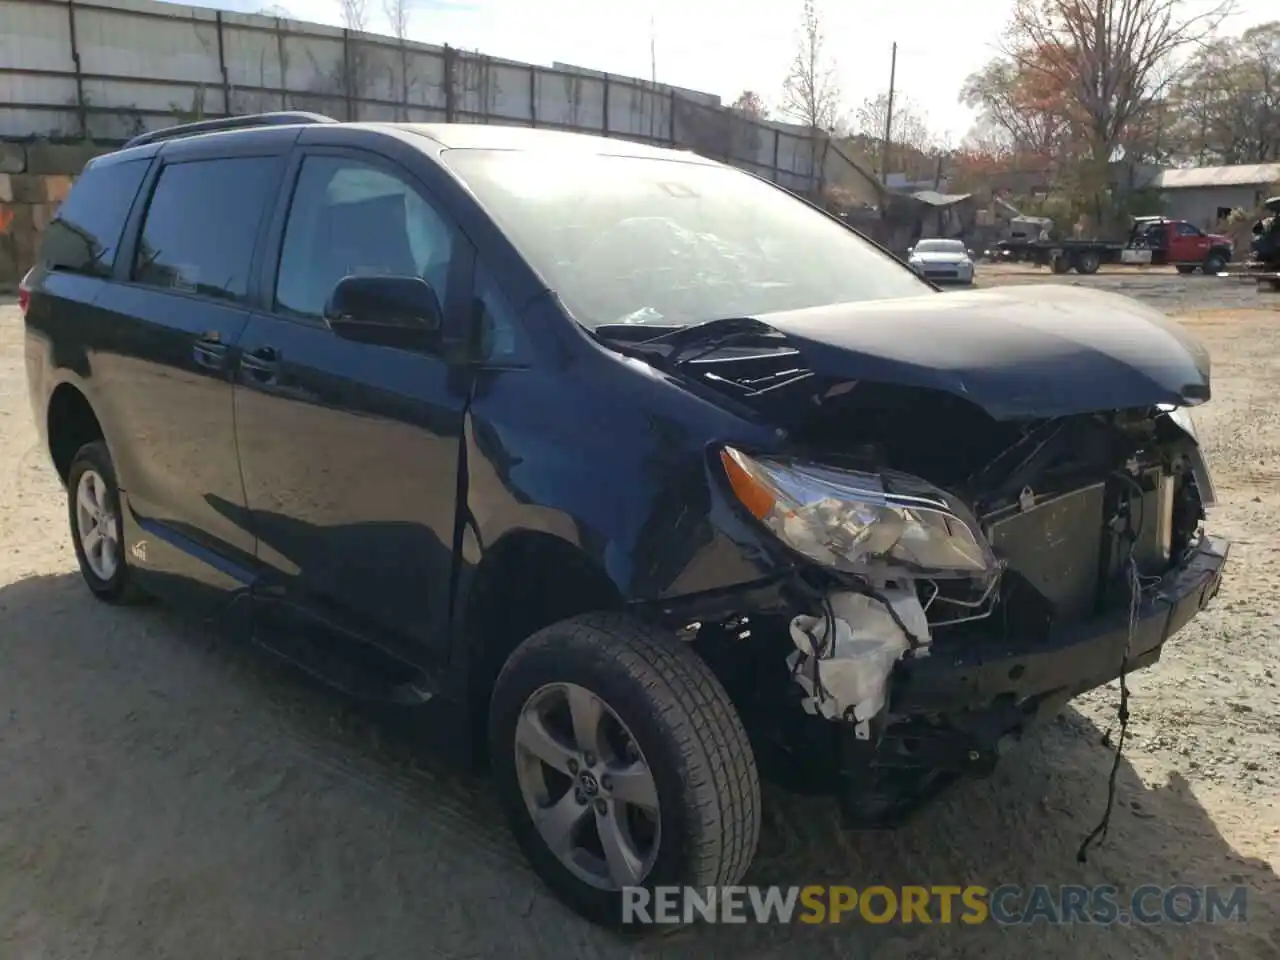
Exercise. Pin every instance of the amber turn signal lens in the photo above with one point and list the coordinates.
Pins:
(753, 494)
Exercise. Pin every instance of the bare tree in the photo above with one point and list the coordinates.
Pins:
(811, 93)
(353, 70)
(910, 126)
(751, 105)
(1226, 106)
(1110, 59)
(1025, 112)
(355, 14)
(398, 13)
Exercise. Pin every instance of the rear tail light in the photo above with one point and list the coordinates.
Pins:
(24, 292)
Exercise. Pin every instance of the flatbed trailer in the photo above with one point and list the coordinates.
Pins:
(1083, 256)
(1152, 242)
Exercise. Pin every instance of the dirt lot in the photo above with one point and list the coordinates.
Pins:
(165, 792)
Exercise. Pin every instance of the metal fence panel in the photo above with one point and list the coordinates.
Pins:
(108, 70)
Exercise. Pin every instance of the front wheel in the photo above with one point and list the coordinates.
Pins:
(1214, 263)
(621, 763)
(1185, 268)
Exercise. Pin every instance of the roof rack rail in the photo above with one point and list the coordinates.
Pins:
(277, 119)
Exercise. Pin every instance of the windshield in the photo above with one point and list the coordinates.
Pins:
(669, 242)
(940, 246)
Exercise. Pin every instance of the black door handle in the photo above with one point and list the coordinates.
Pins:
(263, 364)
(210, 352)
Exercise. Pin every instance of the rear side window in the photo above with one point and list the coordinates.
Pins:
(201, 225)
(86, 232)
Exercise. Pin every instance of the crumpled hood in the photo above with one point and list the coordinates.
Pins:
(1034, 351)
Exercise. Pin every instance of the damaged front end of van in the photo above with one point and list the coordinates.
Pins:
(979, 507)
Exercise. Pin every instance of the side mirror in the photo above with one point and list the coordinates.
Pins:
(910, 251)
(971, 254)
(386, 311)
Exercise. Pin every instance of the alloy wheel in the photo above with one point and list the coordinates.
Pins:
(96, 526)
(587, 786)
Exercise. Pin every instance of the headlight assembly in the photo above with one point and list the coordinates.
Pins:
(1182, 417)
(860, 522)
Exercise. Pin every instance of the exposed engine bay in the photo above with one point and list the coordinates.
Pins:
(1011, 533)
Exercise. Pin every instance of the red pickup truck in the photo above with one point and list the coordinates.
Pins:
(1153, 241)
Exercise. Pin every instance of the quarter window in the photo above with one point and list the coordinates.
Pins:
(351, 218)
(500, 332)
(201, 225)
(84, 235)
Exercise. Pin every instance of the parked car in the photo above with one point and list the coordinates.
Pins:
(622, 471)
(942, 261)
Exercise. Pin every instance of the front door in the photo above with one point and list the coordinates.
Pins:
(349, 451)
(1187, 244)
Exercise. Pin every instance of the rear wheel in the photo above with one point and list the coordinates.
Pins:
(97, 528)
(1088, 262)
(621, 763)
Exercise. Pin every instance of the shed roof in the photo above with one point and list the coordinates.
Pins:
(1240, 175)
(935, 199)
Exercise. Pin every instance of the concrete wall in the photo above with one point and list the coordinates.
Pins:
(101, 71)
(105, 71)
(1199, 205)
(34, 179)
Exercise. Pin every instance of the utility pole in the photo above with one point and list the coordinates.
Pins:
(888, 117)
(653, 76)
(653, 52)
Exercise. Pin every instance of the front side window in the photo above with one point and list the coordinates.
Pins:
(670, 242)
(201, 224)
(84, 235)
(349, 218)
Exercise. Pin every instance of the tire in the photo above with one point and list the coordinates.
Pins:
(1214, 263)
(109, 583)
(1060, 265)
(1088, 262)
(686, 734)
(1185, 269)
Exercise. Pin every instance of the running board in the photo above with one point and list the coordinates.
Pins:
(354, 677)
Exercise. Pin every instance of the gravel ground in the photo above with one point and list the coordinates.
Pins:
(169, 792)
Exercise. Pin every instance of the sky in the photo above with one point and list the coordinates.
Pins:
(727, 46)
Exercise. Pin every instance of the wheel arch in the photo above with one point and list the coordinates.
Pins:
(70, 423)
(527, 580)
